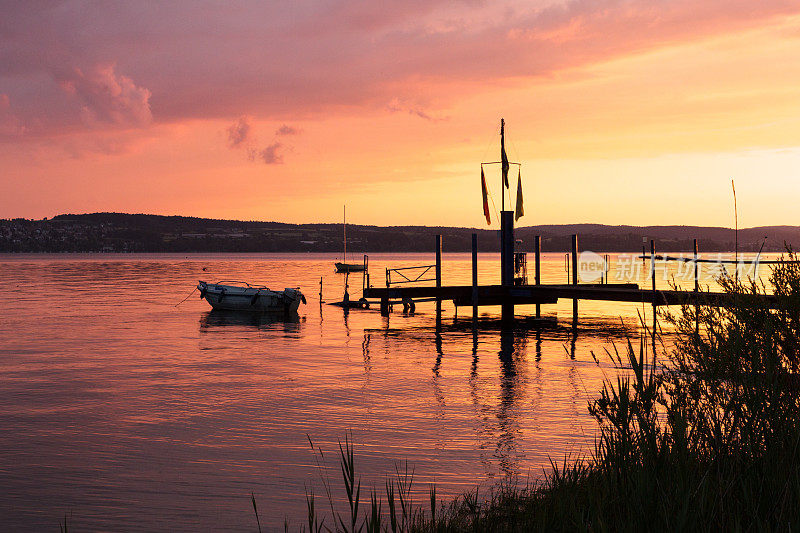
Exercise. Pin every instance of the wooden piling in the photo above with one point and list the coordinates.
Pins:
(696, 290)
(653, 274)
(537, 280)
(438, 274)
(696, 269)
(507, 248)
(507, 260)
(474, 276)
(653, 267)
(575, 275)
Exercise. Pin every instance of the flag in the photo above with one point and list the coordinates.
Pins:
(504, 161)
(519, 210)
(485, 198)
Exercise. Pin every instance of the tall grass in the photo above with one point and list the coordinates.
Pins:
(707, 439)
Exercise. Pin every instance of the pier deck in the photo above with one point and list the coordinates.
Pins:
(461, 295)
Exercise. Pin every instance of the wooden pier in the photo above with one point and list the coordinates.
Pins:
(462, 295)
(514, 289)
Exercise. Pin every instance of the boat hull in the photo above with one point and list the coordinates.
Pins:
(254, 299)
(348, 267)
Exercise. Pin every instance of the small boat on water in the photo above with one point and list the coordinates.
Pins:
(241, 296)
(348, 267)
(344, 267)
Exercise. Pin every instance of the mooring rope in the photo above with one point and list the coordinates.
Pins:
(187, 297)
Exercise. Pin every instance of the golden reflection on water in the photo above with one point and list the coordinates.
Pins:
(134, 413)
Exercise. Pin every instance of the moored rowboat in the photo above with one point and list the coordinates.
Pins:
(241, 296)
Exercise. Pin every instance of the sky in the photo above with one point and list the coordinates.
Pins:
(620, 111)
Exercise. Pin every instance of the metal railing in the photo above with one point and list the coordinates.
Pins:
(415, 274)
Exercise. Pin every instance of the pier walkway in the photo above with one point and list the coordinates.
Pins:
(462, 295)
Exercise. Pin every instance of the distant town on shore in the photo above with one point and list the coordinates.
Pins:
(120, 233)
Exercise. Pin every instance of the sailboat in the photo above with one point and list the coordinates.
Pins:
(344, 266)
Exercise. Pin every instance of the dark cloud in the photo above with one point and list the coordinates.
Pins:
(286, 130)
(395, 106)
(241, 135)
(271, 154)
(239, 132)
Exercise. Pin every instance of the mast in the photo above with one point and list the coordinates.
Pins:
(736, 231)
(344, 233)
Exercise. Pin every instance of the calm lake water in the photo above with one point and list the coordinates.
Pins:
(129, 413)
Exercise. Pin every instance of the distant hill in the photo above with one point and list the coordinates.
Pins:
(120, 232)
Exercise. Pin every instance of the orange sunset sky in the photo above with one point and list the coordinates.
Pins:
(621, 112)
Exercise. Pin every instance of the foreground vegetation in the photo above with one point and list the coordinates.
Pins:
(706, 439)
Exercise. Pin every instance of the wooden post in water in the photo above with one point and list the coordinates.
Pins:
(653, 267)
(474, 276)
(696, 290)
(696, 271)
(438, 276)
(575, 277)
(653, 274)
(507, 261)
(537, 253)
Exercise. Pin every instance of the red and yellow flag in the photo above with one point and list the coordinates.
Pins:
(519, 210)
(504, 162)
(485, 193)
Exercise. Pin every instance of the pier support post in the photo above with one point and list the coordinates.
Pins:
(438, 276)
(507, 261)
(696, 290)
(696, 270)
(537, 280)
(474, 276)
(575, 277)
(653, 268)
(653, 274)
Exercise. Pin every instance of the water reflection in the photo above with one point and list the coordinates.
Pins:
(220, 318)
(512, 388)
(230, 397)
(572, 340)
(438, 391)
(538, 345)
(497, 380)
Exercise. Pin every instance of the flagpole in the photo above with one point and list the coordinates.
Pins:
(502, 151)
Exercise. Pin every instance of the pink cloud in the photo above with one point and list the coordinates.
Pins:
(212, 61)
(108, 98)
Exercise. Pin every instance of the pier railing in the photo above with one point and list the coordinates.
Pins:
(414, 274)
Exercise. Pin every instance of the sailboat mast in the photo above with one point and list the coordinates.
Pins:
(736, 230)
(344, 233)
